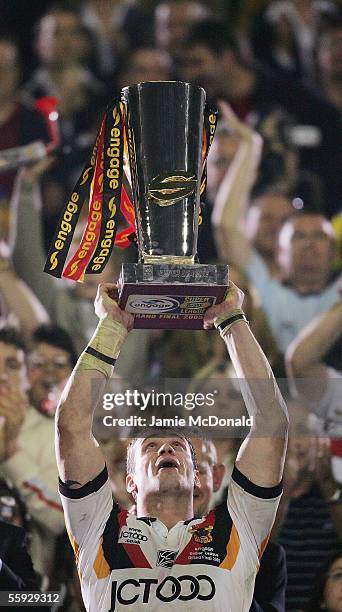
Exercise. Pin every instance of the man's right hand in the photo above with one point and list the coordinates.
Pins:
(106, 304)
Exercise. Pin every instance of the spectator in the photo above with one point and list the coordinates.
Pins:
(215, 61)
(144, 64)
(329, 61)
(50, 361)
(61, 73)
(309, 521)
(111, 27)
(305, 254)
(327, 587)
(69, 306)
(311, 375)
(231, 187)
(270, 583)
(173, 21)
(19, 123)
(27, 455)
(285, 33)
(18, 304)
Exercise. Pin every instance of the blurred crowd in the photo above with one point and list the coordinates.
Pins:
(272, 212)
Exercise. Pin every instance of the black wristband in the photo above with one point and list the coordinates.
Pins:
(237, 317)
(100, 356)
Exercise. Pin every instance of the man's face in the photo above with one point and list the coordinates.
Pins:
(9, 70)
(203, 493)
(330, 54)
(264, 220)
(60, 39)
(147, 65)
(201, 66)
(48, 366)
(12, 367)
(172, 24)
(162, 465)
(333, 588)
(306, 248)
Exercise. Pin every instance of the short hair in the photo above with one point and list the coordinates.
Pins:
(130, 462)
(55, 336)
(11, 336)
(214, 34)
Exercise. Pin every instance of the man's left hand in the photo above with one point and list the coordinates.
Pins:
(234, 299)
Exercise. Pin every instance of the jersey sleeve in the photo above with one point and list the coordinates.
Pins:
(252, 509)
(86, 511)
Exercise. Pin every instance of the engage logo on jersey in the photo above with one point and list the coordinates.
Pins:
(131, 535)
(143, 591)
(166, 558)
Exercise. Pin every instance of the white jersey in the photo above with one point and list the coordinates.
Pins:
(132, 564)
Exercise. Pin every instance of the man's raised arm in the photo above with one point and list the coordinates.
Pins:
(79, 458)
(262, 454)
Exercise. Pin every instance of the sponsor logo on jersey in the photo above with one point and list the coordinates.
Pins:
(166, 558)
(131, 535)
(202, 535)
(145, 590)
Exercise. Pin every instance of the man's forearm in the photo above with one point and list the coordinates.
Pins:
(258, 386)
(309, 349)
(78, 456)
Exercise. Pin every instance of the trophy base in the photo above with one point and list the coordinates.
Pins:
(171, 296)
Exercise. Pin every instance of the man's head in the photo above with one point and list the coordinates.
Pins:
(303, 432)
(161, 465)
(210, 475)
(173, 20)
(265, 216)
(9, 69)
(51, 359)
(306, 250)
(145, 64)
(60, 37)
(211, 57)
(12, 359)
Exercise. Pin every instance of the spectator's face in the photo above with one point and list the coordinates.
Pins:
(162, 465)
(333, 588)
(210, 477)
(48, 366)
(307, 248)
(173, 23)
(60, 39)
(147, 65)
(221, 155)
(264, 220)
(201, 66)
(302, 447)
(12, 367)
(9, 70)
(330, 54)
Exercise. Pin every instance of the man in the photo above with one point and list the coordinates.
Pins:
(270, 584)
(305, 253)
(159, 558)
(26, 450)
(173, 21)
(214, 60)
(309, 518)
